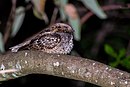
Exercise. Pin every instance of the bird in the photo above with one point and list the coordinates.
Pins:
(55, 39)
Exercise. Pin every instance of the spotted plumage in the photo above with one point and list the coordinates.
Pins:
(57, 38)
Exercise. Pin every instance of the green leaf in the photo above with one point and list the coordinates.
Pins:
(128, 57)
(18, 20)
(109, 50)
(61, 4)
(122, 53)
(114, 64)
(2, 49)
(41, 16)
(126, 63)
(95, 8)
(75, 23)
(39, 10)
(62, 14)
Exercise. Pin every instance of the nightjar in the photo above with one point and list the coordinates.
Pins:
(57, 39)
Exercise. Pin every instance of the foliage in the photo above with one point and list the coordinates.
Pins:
(18, 20)
(2, 49)
(119, 57)
(67, 12)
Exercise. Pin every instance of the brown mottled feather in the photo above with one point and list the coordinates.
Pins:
(58, 39)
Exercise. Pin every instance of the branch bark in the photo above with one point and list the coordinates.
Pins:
(14, 65)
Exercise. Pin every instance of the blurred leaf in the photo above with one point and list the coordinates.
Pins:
(42, 16)
(128, 57)
(2, 49)
(95, 8)
(62, 14)
(75, 23)
(126, 62)
(74, 20)
(109, 50)
(61, 4)
(122, 53)
(39, 10)
(114, 64)
(18, 20)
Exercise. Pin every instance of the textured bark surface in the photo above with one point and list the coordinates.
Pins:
(14, 65)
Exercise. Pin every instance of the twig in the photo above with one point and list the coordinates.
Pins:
(53, 18)
(10, 21)
(28, 62)
(100, 37)
(105, 8)
(28, 7)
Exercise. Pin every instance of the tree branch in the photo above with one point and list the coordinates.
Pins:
(14, 65)
(10, 21)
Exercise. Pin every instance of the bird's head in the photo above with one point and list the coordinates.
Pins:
(61, 27)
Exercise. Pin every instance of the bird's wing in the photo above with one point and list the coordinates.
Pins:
(47, 41)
